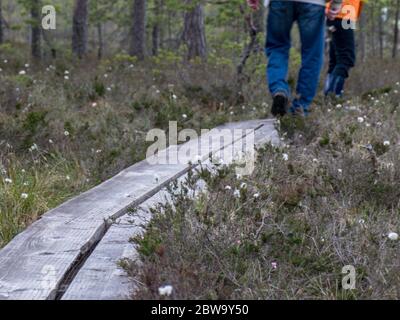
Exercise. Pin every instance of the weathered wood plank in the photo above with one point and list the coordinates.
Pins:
(36, 262)
(100, 277)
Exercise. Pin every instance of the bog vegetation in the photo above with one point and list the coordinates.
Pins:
(72, 116)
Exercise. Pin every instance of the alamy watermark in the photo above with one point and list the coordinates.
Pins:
(49, 19)
(350, 17)
(222, 146)
(349, 280)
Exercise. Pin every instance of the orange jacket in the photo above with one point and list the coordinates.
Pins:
(351, 9)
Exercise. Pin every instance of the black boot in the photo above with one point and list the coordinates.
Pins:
(279, 105)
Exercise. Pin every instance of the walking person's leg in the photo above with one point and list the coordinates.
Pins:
(311, 20)
(344, 42)
(332, 58)
(280, 22)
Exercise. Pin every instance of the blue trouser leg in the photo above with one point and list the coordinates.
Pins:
(311, 20)
(280, 22)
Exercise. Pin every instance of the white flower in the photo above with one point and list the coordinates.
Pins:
(238, 176)
(66, 72)
(228, 188)
(51, 141)
(340, 170)
(396, 92)
(184, 116)
(315, 160)
(256, 195)
(27, 65)
(99, 151)
(67, 178)
(165, 290)
(338, 106)
(24, 195)
(22, 72)
(23, 171)
(94, 104)
(274, 265)
(108, 89)
(231, 113)
(361, 221)
(174, 97)
(106, 76)
(285, 157)
(236, 193)
(8, 180)
(360, 119)
(5, 61)
(66, 77)
(386, 143)
(66, 133)
(243, 185)
(393, 236)
(33, 147)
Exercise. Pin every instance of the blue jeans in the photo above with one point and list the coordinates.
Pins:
(311, 21)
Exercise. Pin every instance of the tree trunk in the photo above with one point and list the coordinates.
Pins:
(373, 28)
(80, 28)
(194, 31)
(381, 33)
(396, 30)
(36, 49)
(259, 19)
(1, 24)
(101, 42)
(156, 28)
(138, 35)
(361, 37)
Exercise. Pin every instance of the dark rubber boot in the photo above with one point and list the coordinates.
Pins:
(279, 105)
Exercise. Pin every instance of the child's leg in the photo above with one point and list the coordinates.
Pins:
(343, 54)
(332, 61)
(344, 42)
(332, 50)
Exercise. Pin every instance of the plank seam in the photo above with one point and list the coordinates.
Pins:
(91, 245)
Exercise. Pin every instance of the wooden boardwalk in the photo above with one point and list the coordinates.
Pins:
(73, 251)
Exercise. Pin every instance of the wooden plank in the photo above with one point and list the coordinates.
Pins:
(36, 263)
(101, 278)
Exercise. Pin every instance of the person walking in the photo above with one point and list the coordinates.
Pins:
(342, 49)
(310, 17)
